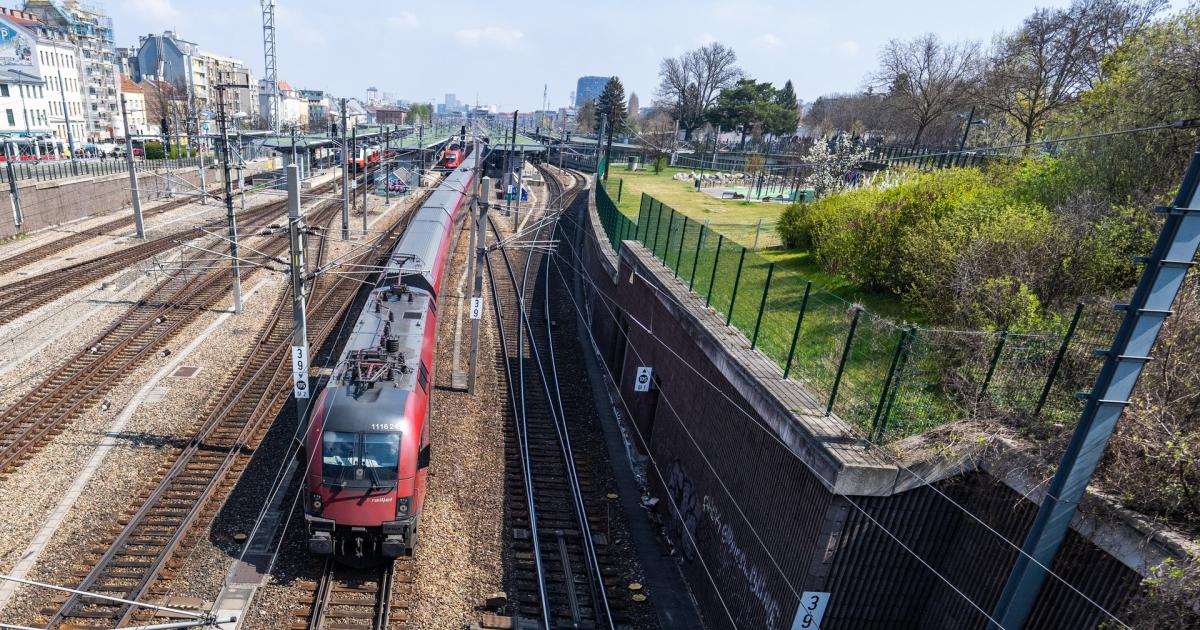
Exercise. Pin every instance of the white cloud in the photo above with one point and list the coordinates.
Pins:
(490, 36)
(769, 40)
(849, 48)
(706, 39)
(406, 21)
(158, 10)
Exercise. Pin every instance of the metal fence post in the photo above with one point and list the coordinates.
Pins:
(713, 278)
(787, 367)
(737, 280)
(620, 187)
(696, 258)
(987, 380)
(1062, 352)
(887, 384)
(905, 353)
(682, 238)
(837, 379)
(657, 228)
(667, 247)
(762, 305)
(642, 209)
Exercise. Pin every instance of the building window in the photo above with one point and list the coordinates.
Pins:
(4, 89)
(12, 121)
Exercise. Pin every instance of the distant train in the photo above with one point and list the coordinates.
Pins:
(451, 158)
(367, 442)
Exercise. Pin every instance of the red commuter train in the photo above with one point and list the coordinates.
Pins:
(367, 444)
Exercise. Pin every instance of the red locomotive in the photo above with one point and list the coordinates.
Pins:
(367, 443)
(451, 158)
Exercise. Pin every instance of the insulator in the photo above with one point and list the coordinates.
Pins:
(392, 345)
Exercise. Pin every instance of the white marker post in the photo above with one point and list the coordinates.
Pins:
(300, 333)
(642, 382)
(811, 611)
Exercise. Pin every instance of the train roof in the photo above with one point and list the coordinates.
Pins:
(417, 250)
(398, 308)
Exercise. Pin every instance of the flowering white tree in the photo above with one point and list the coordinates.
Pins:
(832, 164)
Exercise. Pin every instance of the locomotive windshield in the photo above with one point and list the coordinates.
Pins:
(360, 459)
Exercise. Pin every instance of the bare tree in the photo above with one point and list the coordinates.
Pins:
(689, 84)
(1056, 54)
(925, 78)
(658, 136)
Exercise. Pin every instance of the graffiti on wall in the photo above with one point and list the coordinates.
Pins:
(683, 495)
(733, 556)
(688, 507)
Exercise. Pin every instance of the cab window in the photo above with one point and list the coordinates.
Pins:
(338, 456)
(381, 451)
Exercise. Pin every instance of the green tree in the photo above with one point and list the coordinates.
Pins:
(752, 107)
(585, 118)
(789, 117)
(611, 102)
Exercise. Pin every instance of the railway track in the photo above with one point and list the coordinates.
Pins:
(41, 252)
(140, 333)
(146, 544)
(559, 565)
(347, 598)
(20, 297)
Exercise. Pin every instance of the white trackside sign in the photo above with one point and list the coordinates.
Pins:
(300, 371)
(476, 308)
(811, 610)
(642, 384)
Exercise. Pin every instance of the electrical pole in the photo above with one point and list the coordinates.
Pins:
(970, 121)
(300, 323)
(608, 149)
(133, 180)
(600, 142)
(345, 180)
(511, 155)
(62, 92)
(520, 184)
(241, 178)
(387, 167)
(354, 163)
(14, 195)
(229, 211)
(485, 185)
(364, 188)
(200, 149)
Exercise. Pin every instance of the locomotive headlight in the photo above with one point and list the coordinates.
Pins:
(402, 505)
(316, 502)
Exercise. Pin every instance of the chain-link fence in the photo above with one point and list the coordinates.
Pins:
(888, 379)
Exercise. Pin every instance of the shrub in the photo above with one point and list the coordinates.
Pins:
(154, 151)
(793, 226)
(860, 233)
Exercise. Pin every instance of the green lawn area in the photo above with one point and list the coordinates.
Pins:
(829, 312)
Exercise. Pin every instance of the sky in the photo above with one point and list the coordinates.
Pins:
(505, 52)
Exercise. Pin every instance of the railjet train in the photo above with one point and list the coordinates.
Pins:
(368, 439)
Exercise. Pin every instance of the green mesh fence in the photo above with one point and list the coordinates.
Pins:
(886, 379)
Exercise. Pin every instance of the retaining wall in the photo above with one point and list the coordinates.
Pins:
(766, 497)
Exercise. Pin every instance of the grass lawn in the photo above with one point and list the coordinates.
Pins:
(828, 314)
(735, 219)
